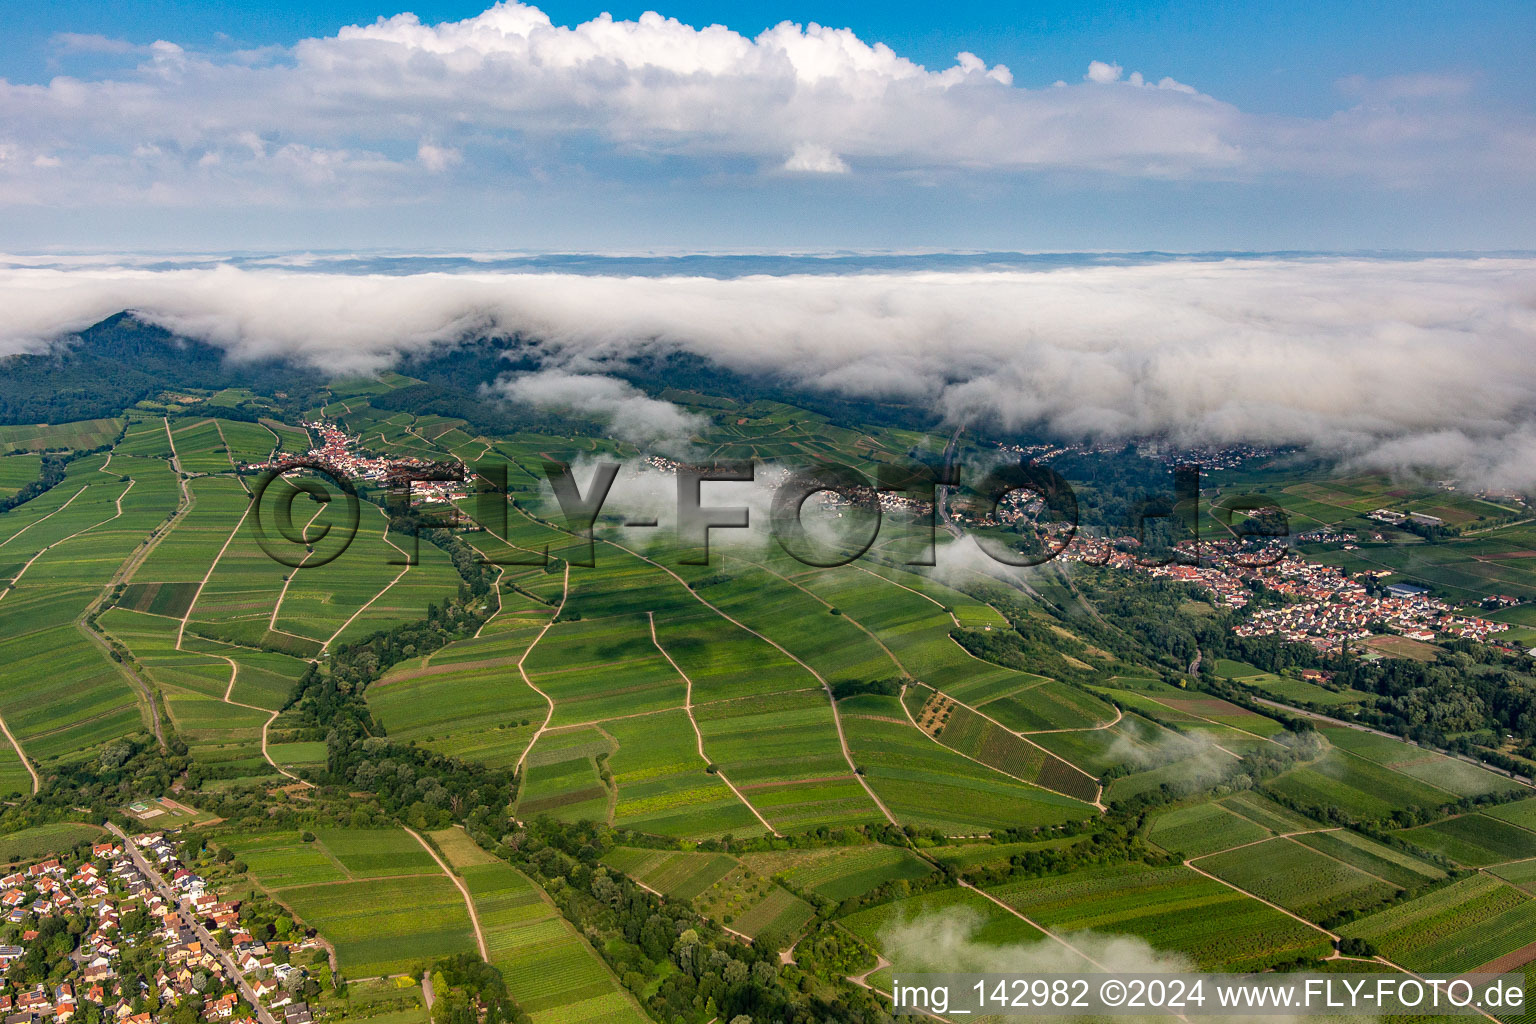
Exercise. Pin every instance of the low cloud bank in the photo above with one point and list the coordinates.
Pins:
(946, 942)
(1410, 365)
(632, 415)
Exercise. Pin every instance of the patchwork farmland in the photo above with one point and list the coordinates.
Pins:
(609, 780)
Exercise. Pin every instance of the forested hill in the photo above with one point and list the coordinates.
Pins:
(119, 361)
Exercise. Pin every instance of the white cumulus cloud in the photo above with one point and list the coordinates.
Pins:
(177, 128)
(809, 158)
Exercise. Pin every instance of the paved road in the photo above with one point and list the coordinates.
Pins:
(158, 881)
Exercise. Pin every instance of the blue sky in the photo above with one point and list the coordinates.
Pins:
(1260, 126)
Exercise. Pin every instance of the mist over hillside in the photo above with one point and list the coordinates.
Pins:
(1413, 365)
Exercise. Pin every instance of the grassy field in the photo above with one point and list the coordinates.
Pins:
(385, 1001)
(42, 840)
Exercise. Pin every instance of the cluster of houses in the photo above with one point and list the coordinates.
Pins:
(1209, 459)
(1350, 614)
(341, 452)
(1336, 606)
(1223, 584)
(1330, 606)
(121, 909)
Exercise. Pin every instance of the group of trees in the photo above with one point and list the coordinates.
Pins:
(1471, 687)
(471, 991)
(705, 973)
(887, 687)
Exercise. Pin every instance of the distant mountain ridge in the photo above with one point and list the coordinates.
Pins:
(109, 366)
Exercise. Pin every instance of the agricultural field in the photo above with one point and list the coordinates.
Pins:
(1201, 829)
(1456, 928)
(563, 776)
(1134, 742)
(1204, 720)
(979, 738)
(839, 873)
(735, 893)
(1448, 773)
(467, 698)
(1521, 873)
(1288, 689)
(15, 780)
(1299, 878)
(60, 553)
(964, 857)
(1469, 567)
(1174, 909)
(664, 787)
(79, 435)
(1521, 812)
(688, 713)
(683, 876)
(1475, 840)
(781, 751)
(923, 781)
(40, 840)
(1385, 862)
(1260, 809)
(600, 668)
(197, 690)
(17, 471)
(376, 894)
(905, 930)
(1356, 785)
(549, 969)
